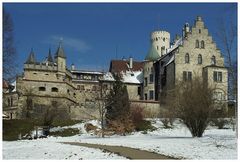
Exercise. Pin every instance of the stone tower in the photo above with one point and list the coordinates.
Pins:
(161, 41)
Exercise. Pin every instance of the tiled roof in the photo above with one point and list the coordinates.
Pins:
(123, 66)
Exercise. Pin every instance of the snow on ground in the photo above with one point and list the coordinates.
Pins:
(49, 149)
(176, 142)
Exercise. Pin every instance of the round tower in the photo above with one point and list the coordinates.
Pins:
(161, 41)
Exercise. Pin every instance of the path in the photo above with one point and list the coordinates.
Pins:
(127, 152)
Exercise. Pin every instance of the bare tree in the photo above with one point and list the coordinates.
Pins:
(192, 102)
(9, 51)
(227, 34)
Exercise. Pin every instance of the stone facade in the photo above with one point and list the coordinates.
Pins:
(75, 93)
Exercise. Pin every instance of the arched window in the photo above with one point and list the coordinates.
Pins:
(42, 89)
(197, 44)
(202, 44)
(199, 59)
(213, 60)
(54, 89)
(187, 58)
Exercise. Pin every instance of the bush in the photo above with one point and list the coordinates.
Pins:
(166, 122)
(144, 125)
(65, 133)
(192, 102)
(89, 127)
(219, 122)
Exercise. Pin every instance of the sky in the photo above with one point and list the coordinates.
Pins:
(95, 33)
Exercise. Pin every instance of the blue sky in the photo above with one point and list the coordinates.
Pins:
(91, 32)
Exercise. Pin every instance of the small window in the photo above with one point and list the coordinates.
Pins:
(145, 96)
(157, 47)
(35, 73)
(197, 44)
(139, 91)
(145, 82)
(54, 89)
(156, 39)
(213, 60)
(132, 74)
(46, 74)
(199, 59)
(151, 95)
(187, 59)
(199, 31)
(187, 76)
(151, 78)
(94, 88)
(163, 39)
(68, 91)
(42, 89)
(202, 44)
(217, 76)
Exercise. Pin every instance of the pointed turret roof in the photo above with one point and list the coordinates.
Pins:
(152, 54)
(49, 58)
(31, 58)
(60, 51)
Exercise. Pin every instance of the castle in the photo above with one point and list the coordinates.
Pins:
(74, 91)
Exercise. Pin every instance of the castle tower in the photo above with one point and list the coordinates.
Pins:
(161, 41)
(31, 58)
(60, 59)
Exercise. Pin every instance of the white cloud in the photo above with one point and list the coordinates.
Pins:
(69, 42)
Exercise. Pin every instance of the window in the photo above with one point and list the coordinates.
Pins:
(156, 39)
(164, 39)
(213, 60)
(46, 74)
(35, 73)
(157, 47)
(151, 94)
(78, 86)
(151, 78)
(218, 96)
(197, 44)
(187, 75)
(68, 91)
(145, 82)
(82, 87)
(199, 31)
(202, 44)
(54, 89)
(94, 88)
(42, 89)
(139, 90)
(199, 59)
(217, 76)
(145, 96)
(187, 58)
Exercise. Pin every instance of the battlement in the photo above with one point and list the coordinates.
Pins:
(40, 67)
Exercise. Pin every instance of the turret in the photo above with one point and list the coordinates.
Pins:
(31, 58)
(60, 58)
(185, 30)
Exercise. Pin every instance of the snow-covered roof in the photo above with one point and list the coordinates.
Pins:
(14, 85)
(87, 72)
(176, 44)
(135, 77)
(108, 76)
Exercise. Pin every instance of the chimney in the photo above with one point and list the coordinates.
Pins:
(73, 67)
(130, 62)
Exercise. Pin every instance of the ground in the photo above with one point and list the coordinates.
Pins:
(176, 142)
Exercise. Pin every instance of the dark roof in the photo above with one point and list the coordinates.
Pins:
(31, 58)
(49, 58)
(122, 65)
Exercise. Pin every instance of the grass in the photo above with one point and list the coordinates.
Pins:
(65, 133)
(12, 128)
